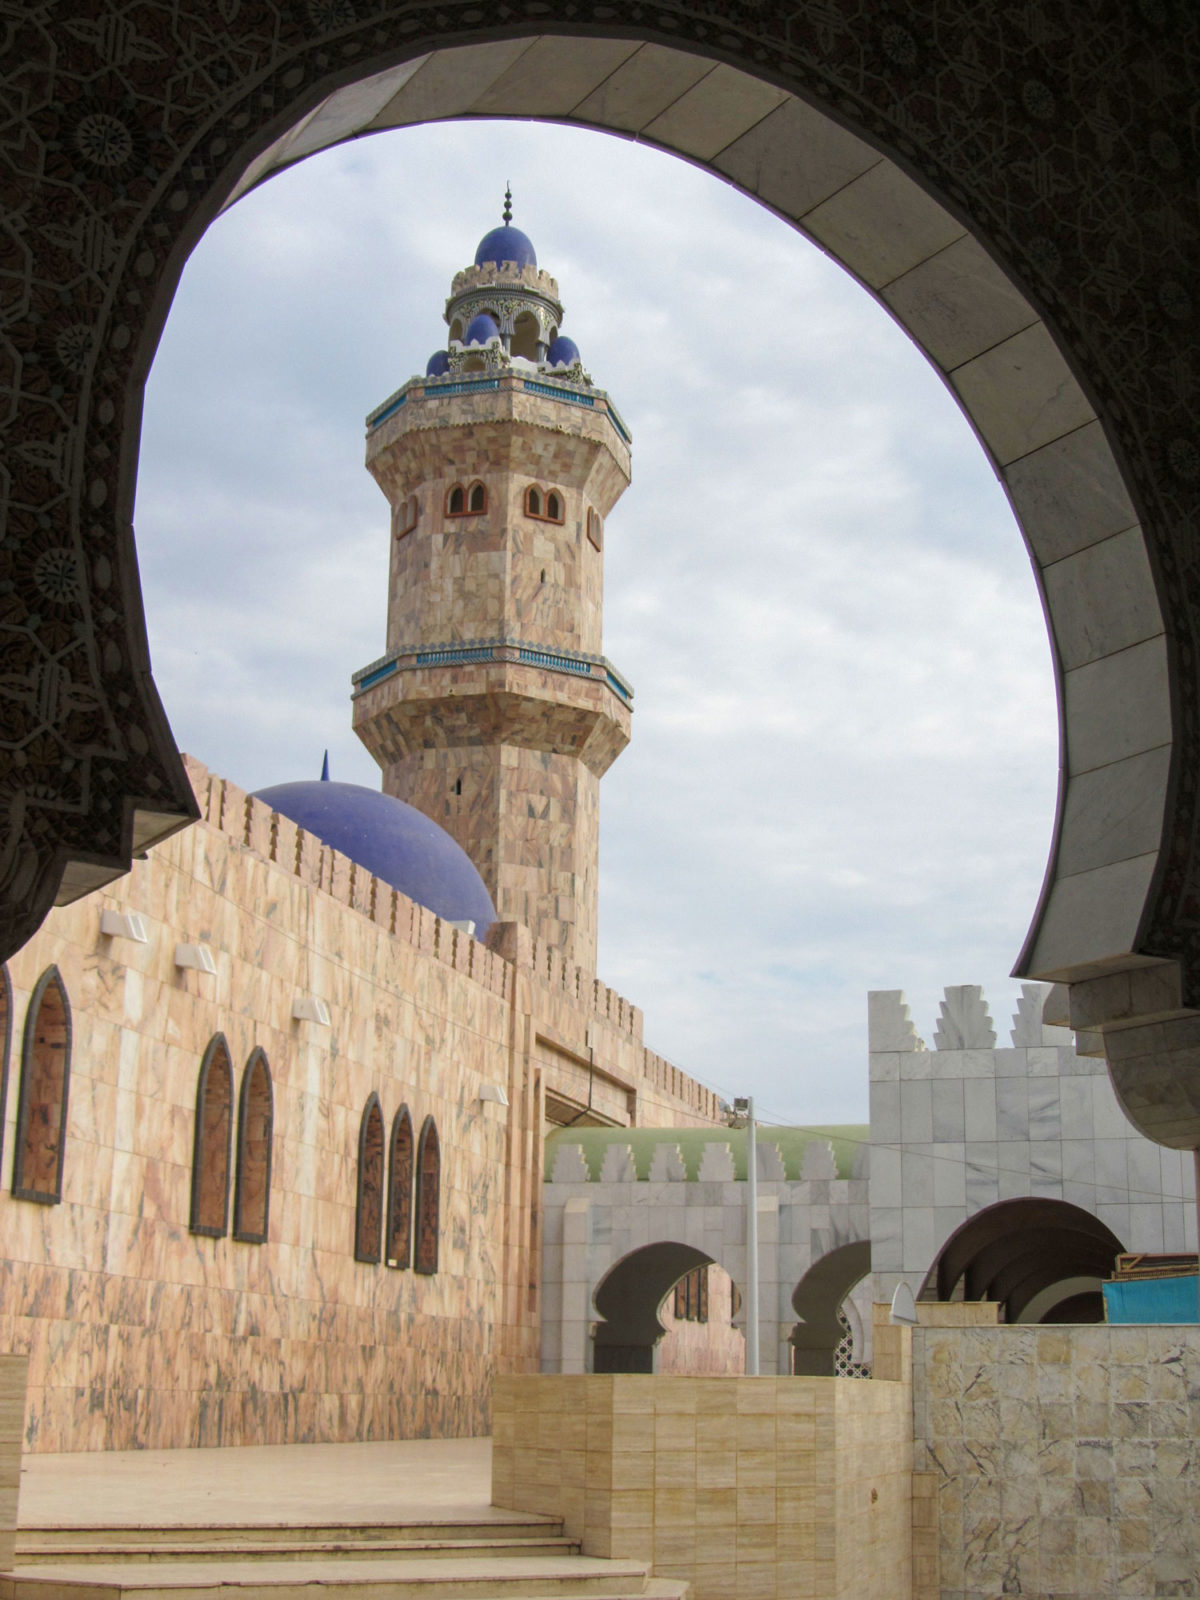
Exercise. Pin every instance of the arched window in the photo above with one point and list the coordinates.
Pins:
(400, 1192)
(456, 331)
(525, 336)
(42, 1104)
(456, 501)
(533, 501)
(554, 507)
(211, 1142)
(6, 1016)
(478, 499)
(595, 529)
(429, 1162)
(406, 516)
(368, 1215)
(256, 1115)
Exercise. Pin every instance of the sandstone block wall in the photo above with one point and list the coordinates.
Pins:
(140, 1333)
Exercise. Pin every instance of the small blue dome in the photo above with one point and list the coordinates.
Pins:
(438, 365)
(562, 352)
(391, 839)
(506, 244)
(481, 329)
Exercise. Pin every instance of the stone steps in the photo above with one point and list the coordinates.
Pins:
(252, 1548)
(524, 1558)
(481, 1577)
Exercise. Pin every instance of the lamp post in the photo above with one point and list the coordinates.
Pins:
(743, 1110)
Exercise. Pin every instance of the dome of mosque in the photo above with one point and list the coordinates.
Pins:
(438, 365)
(562, 352)
(481, 329)
(506, 244)
(391, 839)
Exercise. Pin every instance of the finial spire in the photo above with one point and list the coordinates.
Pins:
(507, 202)
(325, 768)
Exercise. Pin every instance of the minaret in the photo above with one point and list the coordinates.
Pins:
(493, 710)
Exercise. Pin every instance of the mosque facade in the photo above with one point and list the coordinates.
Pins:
(275, 1102)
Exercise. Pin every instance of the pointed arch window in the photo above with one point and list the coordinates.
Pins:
(256, 1116)
(400, 1191)
(554, 506)
(533, 501)
(368, 1214)
(212, 1142)
(478, 498)
(6, 1022)
(456, 501)
(42, 1104)
(407, 513)
(545, 505)
(429, 1162)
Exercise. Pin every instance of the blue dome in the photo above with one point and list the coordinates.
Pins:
(506, 244)
(562, 352)
(481, 329)
(438, 365)
(391, 839)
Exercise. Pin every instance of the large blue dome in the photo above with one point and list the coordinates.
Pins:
(391, 839)
(506, 244)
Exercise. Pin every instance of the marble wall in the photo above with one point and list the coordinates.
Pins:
(1061, 1462)
(971, 1122)
(139, 1332)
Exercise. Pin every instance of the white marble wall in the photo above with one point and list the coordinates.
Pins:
(971, 1122)
(590, 1226)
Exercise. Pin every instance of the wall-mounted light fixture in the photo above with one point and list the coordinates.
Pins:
(123, 925)
(493, 1094)
(904, 1307)
(311, 1008)
(196, 958)
(463, 927)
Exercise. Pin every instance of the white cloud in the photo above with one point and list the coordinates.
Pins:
(843, 767)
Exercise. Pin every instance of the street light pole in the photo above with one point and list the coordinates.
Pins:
(744, 1108)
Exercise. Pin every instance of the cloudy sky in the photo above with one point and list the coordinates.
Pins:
(843, 765)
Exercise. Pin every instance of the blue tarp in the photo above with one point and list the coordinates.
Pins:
(1152, 1300)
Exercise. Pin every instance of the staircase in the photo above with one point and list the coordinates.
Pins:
(518, 1559)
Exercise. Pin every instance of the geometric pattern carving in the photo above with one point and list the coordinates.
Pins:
(42, 1104)
(400, 1191)
(212, 1141)
(256, 1115)
(429, 1163)
(369, 1208)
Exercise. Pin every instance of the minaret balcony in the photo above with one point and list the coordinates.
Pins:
(510, 387)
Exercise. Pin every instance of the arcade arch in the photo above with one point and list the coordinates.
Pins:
(1041, 1260)
(1045, 401)
(629, 1300)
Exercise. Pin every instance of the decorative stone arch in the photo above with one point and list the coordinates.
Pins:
(429, 1199)
(628, 1300)
(399, 1226)
(212, 1141)
(368, 1206)
(256, 1120)
(1031, 1256)
(817, 1299)
(42, 1099)
(1046, 282)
